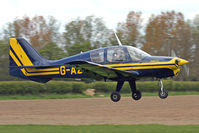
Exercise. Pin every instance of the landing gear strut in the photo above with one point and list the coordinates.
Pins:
(136, 94)
(115, 96)
(163, 93)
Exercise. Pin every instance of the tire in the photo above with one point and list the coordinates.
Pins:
(136, 95)
(163, 94)
(115, 96)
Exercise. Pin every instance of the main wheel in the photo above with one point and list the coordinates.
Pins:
(163, 94)
(136, 95)
(115, 96)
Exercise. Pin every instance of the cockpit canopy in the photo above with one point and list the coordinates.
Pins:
(136, 54)
(117, 54)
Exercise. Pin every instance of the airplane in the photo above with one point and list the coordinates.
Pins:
(117, 63)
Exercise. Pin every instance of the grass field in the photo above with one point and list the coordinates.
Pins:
(68, 96)
(98, 129)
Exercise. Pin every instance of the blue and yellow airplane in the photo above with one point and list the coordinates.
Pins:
(118, 63)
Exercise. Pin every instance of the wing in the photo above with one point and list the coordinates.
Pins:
(98, 71)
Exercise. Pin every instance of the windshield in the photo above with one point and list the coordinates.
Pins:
(136, 54)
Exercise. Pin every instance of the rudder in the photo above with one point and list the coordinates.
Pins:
(22, 55)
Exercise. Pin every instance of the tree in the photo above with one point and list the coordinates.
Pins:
(91, 29)
(52, 52)
(169, 32)
(195, 35)
(78, 48)
(129, 31)
(38, 30)
(4, 60)
(166, 32)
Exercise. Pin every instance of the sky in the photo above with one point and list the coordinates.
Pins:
(112, 11)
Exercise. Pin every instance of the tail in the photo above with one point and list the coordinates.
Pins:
(24, 60)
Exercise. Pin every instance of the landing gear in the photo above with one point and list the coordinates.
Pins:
(136, 94)
(115, 96)
(163, 93)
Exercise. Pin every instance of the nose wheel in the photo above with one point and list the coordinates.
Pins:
(136, 95)
(163, 93)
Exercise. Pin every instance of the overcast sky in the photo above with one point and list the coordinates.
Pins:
(112, 11)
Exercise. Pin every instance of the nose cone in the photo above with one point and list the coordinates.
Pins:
(182, 61)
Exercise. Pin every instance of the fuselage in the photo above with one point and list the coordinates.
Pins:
(130, 59)
(115, 63)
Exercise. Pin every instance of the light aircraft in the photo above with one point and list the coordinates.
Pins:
(118, 63)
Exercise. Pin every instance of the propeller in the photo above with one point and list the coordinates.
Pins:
(185, 66)
(173, 54)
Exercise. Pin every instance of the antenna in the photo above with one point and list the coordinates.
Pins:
(118, 40)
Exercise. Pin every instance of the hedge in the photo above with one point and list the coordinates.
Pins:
(63, 87)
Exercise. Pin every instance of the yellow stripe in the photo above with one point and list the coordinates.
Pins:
(172, 67)
(17, 62)
(137, 64)
(38, 74)
(147, 67)
(133, 65)
(20, 52)
(41, 70)
(30, 74)
(14, 58)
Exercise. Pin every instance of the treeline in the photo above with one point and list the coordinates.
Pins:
(162, 34)
(64, 87)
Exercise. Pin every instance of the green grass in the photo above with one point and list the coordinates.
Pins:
(99, 129)
(69, 96)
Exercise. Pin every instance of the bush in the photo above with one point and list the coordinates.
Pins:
(101, 86)
(78, 87)
(21, 87)
(59, 87)
(62, 87)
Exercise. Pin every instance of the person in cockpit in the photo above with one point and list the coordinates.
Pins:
(118, 56)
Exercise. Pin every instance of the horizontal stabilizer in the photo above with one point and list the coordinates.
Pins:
(47, 66)
(40, 80)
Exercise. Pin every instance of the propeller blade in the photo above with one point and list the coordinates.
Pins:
(186, 69)
(173, 54)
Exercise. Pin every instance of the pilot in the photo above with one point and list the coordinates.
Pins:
(117, 56)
